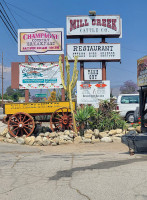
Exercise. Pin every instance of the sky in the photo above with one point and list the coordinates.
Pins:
(52, 14)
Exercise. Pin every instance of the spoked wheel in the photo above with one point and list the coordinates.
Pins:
(21, 124)
(61, 120)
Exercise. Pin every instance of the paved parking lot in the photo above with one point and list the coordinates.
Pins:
(69, 172)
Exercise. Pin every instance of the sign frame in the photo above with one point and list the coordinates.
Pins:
(91, 24)
(92, 59)
(45, 44)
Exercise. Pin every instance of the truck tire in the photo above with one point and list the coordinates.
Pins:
(130, 117)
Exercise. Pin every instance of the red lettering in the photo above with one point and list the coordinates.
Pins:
(104, 22)
(77, 23)
(93, 22)
(98, 22)
(114, 24)
(72, 25)
(81, 24)
(86, 23)
(109, 23)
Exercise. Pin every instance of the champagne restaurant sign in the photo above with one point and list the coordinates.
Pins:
(107, 25)
(94, 52)
(40, 41)
(39, 76)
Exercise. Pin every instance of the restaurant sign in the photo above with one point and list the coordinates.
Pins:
(92, 92)
(142, 71)
(39, 76)
(95, 26)
(92, 74)
(40, 41)
(94, 52)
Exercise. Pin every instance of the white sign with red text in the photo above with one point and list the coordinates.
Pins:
(94, 52)
(106, 25)
(40, 41)
(92, 92)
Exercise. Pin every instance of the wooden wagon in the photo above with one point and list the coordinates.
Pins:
(21, 116)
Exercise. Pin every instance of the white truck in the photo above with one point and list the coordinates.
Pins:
(127, 104)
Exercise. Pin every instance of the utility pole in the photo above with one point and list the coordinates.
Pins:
(2, 79)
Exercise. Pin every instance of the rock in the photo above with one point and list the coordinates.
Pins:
(30, 140)
(8, 135)
(47, 134)
(88, 135)
(113, 132)
(77, 139)
(61, 141)
(65, 137)
(69, 142)
(95, 140)
(41, 134)
(131, 129)
(116, 139)
(4, 132)
(66, 132)
(71, 135)
(119, 131)
(9, 140)
(45, 141)
(60, 133)
(20, 140)
(52, 135)
(86, 140)
(102, 134)
(106, 139)
(119, 135)
(39, 140)
(1, 138)
(88, 131)
(96, 133)
(124, 132)
(138, 129)
(55, 140)
(54, 144)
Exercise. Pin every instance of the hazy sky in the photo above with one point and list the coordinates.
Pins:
(52, 14)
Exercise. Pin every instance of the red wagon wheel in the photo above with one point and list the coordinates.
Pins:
(21, 124)
(61, 120)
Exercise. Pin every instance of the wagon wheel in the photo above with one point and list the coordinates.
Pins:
(21, 124)
(61, 120)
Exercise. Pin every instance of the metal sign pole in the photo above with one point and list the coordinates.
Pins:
(26, 91)
(103, 64)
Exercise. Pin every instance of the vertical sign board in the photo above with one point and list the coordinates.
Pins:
(39, 76)
(142, 71)
(93, 26)
(94, 52)
(40, 41)
(92, 92)
(92, 74)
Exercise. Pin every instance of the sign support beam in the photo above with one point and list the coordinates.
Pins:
(103, 64)
(62, 90)
(26, 91)
(81, 65)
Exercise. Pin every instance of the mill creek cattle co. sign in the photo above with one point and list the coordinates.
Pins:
(87, 26)
(94, 52)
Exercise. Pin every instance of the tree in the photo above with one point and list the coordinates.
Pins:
(129, 87)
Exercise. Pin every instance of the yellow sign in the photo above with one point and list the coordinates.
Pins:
(35, 108)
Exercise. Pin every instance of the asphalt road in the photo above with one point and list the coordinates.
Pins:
(72, 172)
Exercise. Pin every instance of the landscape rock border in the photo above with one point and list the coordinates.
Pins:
(67, 137)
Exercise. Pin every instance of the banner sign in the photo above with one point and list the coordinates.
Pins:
(39, 76)
(92, 92)
(40, 41)
(92, 74)
(142, 71)
(93, 26)
(94, 52)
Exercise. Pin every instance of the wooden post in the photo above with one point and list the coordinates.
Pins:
(26, 91)
(62, 90)
(81, 65)
(2, 81)
(103, 65)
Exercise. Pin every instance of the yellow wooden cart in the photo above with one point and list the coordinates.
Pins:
(21, 116)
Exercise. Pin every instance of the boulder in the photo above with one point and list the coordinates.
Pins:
(119, 131)
(116, 139)
(45, 141)
(47, 134)
(60, 133)
(88, 135)
(54, 144)
(106, 139)
(39, 140)
(77, 139)
(61, 141)
(55, 140)
(2, 138)
(66, 132)
(8, 135)
(102, 134)
(71, 135)
(119, 135)
(20, 140)
(86, 140)
(131, 129)
(138, 129)
(4, 132)
(113, 132)
(41, 134)
(88, 131)
(52, 135)
(96, 133)
(93, 141)
(65, 137)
